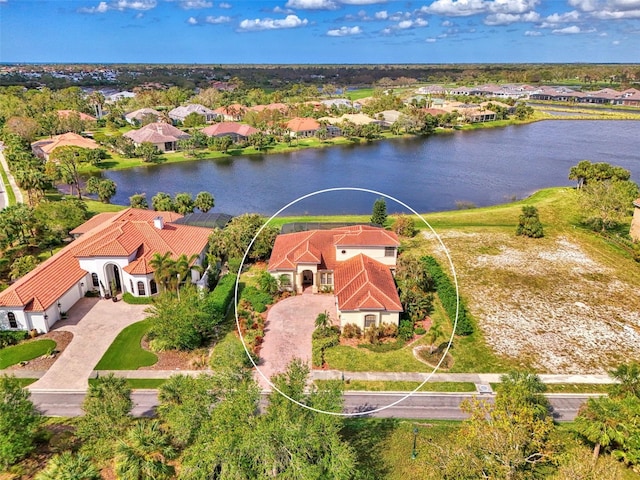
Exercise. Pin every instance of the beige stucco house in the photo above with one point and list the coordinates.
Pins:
(355, 264)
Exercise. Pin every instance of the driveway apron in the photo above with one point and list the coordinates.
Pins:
(288, 330)
(94, 324)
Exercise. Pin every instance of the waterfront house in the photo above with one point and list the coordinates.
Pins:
(237, 131)
(110, 249)
(43, 148)
(178, 114)
(355, 264)
(303, 127)
(164, 136)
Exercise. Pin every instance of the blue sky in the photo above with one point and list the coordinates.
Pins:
(319, 31)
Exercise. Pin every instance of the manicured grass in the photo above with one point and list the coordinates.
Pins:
(125, 353)
(350, 359)
(571, 387)
(150, 383)
(11, 196)
(24, 352)
(25, 382)
(399, 386)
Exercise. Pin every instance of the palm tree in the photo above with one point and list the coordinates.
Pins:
(629, 377)
(183, 265)
(599, 422)
(163, 269)
(67, 466)
(323, 320)
(434, 333)
(144, 452)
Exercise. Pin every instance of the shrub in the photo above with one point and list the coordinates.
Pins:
(258, 300)
(405, 330)
(321, 339)
(404, 226)
(420, 331)
(234, 264)
(351, 330)
(222, 295)
(447, 294)
(388, 330)
(129, 298)
(529, 223)
(10, 337)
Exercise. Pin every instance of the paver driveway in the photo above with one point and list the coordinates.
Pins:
(288, 330)
(94, 324)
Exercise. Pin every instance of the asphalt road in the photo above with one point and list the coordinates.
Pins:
(421, 405)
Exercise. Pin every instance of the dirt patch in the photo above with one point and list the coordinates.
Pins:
(547, 302)
(176, 360)
(424, 354)
(61, 338)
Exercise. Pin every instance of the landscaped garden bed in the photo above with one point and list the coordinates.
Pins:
(37, 354)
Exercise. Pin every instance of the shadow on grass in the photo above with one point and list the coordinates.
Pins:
(367, 437)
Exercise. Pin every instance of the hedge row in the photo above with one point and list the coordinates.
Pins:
(447, 294)
(258, 299)
(127, 297)
(12, 337)
(220, 298)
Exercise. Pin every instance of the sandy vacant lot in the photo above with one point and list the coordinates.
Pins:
(548, 302)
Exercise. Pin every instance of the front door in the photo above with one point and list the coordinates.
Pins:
(307, 278)
(116, 277)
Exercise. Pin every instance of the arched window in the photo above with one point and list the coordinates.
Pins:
(141, 292)
(94, 280)
(153, 287)
(13, 323)
(369, 321)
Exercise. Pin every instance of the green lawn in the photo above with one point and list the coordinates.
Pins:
(134, 383)
(25, 351)
(125, 353)
(11, 196)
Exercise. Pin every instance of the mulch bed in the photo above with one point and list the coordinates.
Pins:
(61, 338)
(176, 360)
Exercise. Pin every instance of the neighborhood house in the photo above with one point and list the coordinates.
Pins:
(355, 263)
(111, 250)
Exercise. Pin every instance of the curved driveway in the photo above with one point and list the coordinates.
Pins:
(287, 333)
(94, 324)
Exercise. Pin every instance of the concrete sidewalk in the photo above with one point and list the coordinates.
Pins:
(4, 199)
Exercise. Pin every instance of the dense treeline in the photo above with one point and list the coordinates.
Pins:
(276, 76)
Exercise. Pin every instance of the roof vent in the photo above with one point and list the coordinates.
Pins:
(158, 222)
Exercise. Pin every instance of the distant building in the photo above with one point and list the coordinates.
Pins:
(164, 136)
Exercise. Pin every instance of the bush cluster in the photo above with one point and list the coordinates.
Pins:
(447, 294)
(351, 330)
(405, 330)
(258, 299)
(9, 337)
(220, 298)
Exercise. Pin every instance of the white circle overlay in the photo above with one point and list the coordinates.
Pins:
(453, 271)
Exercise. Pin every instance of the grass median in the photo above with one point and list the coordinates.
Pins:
(126, 352)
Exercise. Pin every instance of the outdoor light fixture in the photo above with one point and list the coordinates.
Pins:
(81, 284)
(59, 304)
(414, 454)
(46, 317)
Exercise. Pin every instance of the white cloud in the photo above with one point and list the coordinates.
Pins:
(224, 5)
(608, 14)
(565, 17)
(102, 7)
(532, 33)
(195, 4)
(511, 6)
(430, 40)
(417, 23)
(603, 34)
(217, 20)
(509, 18)
(387, 31)
(382, 15)
(192, 21)
(609, 9)
(134, 4)
(572, 30)
(362, 2)
(344, 31)
(290, 21)
(615, 42)
(585, 5)
(312, 4)
(501, 12)
(456, 8)
(447, 23)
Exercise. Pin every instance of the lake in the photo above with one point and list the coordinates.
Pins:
(484, 167)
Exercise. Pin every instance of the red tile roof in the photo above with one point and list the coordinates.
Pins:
(225, 128)
(303, 124)
(122, 234)
(307, 247)
(68, 139)
(362, 283)
(92, 223)
(157, 132)
(83, 116)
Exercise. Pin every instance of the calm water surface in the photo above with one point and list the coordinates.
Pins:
(485, 167)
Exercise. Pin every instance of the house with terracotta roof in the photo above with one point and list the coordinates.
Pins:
(303, 127)
(43, 148)
(82, 116)
(111, 248)
(356, 263)
(237, 131)
(231, 113)
(164, 136)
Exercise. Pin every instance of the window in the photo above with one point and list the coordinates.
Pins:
(12, 320)
(141, 292)
(94, 280)
(326, 278)
(153, 287)
(369, 321)
(389, 251)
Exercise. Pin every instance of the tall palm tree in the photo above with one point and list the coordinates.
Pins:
(183, 266)
(629, 377)
(599, 422)
(163, 269)
(144, 453)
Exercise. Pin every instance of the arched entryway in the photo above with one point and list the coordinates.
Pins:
(113, 276)
(307, 279)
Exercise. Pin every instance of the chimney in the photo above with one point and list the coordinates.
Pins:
(158, 222)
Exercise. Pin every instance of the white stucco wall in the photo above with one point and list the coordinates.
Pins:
(357, 318)
(21, 319)
(377, 253)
